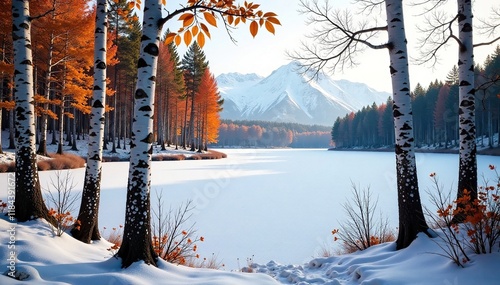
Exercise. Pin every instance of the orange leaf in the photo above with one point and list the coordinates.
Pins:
(261, 22)
(205, 29)
(210, 19)
(178, 40)
(201, 40)
(195, 30)
(254, 28)
(230, 19)
(270, 27)
(237, 21)
(270, 14)
(188, 37)
(131, 5)
(188, 20)
(170, 38)
(274, 20)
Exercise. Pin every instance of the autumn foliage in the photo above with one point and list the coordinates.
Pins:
(480, 230)
(210, 11)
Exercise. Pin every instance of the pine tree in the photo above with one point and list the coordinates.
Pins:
(194, 64)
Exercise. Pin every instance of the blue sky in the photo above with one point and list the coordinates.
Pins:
(266, 52)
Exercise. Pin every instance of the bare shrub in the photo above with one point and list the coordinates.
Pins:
(362, 229)
(66, 161)
(157, 157)
(172, 240)
(61, 201)
(480, 230)
(211, 263)
(211, 154)
(115, 236)
(43, 165)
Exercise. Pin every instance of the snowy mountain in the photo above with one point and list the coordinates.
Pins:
(287, 96)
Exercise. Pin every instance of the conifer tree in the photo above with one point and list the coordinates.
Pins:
(194, 64)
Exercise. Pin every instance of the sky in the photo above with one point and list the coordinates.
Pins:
(266, 52)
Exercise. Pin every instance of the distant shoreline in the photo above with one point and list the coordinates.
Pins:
(486, 151)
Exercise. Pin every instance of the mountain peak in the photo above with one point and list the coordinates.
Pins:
(286, 95)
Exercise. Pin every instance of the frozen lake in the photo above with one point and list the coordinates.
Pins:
(278, 204)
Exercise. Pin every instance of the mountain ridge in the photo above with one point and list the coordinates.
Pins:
(288, 96)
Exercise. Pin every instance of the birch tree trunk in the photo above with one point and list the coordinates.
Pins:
(29, 202)
(89, 209)
(137, 243)
(467, 178)
(411, 217)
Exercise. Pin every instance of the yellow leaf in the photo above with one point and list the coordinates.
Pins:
(188, 37)
(210, 19)
(274, 20)
(201, 40)
(195, 30)
(170, 38)
(178, 40)
(270, 27)
(254, 28)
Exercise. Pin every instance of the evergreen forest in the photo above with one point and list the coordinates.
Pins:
(435, 114)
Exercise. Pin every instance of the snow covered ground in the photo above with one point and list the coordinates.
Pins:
(277, 207)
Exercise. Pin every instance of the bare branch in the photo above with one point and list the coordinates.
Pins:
(438, 33)
(491, 25)
(41, 15)
(487, 43)
(336, 39)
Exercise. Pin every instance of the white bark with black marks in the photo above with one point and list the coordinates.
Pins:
(411, 218)
(89, 209)
(137, 244)
(29, 202)
(466, 113)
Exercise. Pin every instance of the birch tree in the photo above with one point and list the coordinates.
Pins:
(29, 202)
(438, 33)
(335, 43)
(88, 229)
(137, 243)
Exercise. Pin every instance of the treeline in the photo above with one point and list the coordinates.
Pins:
(272, 134)
(187, 102)
(435, 113)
